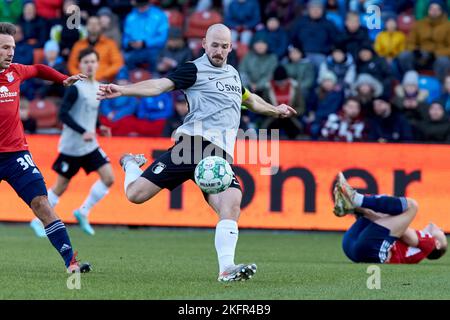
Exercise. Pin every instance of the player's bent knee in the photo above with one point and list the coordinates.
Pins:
(108, 181)
(412, 204)
(232, 212)
(135, 195)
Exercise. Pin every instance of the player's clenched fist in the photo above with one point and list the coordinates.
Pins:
(108, 91)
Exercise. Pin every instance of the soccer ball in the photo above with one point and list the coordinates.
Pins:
(213, 174)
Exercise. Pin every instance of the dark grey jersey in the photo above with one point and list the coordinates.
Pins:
(214, 95)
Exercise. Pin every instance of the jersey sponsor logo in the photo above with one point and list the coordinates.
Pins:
(158, 168)
(4, 93)
(227, 87)
(10, 77)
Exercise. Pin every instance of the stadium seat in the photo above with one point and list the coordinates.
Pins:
(137, 75)
(176, 19)
(405, 22)
(45, 112)
(431, 84)
(38, 55)
(199, 21)
(336, 19)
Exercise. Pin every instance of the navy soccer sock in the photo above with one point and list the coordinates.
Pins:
(57, 234)
(385, 204)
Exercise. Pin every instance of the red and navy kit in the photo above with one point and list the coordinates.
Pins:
(16, 164)
(402, 253)
(12, 137)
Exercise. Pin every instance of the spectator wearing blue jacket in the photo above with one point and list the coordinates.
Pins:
(242, 17)
(155, 108)
(145, 34)
(277, 37)
(121, 107)
(315, 33)
(325, 100)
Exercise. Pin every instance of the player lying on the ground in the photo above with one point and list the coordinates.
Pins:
(215, 94)
(78, 147)
(16, 165)
(381, 233)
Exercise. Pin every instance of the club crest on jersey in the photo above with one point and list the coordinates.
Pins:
(158, 168)
(10, 77)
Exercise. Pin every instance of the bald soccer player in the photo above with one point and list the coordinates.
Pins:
(215, 93)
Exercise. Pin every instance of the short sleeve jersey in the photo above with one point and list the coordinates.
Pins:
(214, 95)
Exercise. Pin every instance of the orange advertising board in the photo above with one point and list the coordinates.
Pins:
(298, 196)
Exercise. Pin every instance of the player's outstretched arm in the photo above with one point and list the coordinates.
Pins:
(147, 88)
(257, 104)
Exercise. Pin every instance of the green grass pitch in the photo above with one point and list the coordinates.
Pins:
(181, 264)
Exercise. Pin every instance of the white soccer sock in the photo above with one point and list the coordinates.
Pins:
(132, 172)
(225, 241)
(53, 199)
(98, 191)
(358, 199)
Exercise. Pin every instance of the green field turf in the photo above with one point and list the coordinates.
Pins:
(181, 264)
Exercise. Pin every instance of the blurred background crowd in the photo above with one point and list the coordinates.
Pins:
(352, 72)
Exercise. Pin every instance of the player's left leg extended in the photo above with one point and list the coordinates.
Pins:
(98, 191)
(227, 205)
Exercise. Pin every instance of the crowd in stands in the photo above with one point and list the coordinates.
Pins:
(353, 73)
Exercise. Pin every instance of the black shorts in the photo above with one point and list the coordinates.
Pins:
(68, 166)
(168, 173)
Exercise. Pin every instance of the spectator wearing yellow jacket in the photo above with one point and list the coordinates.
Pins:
(428, 44)
(391, 42)
(110, 57)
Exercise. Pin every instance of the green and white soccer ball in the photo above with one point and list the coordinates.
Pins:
(213, 174)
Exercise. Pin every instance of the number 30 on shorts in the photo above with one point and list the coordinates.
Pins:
(26, 162)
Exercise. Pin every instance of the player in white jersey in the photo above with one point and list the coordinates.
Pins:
(78, 146)
(214, 93)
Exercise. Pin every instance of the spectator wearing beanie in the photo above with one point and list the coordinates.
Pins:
(428, 43)
(436, 126)
(324, 100)
(110, 25)
(300, 69)
(284, 90)
(410, 100)
(52, 59)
